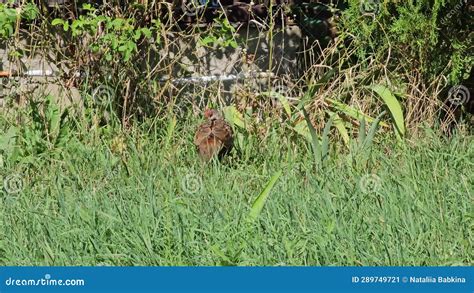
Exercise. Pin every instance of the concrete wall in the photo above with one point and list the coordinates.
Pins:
(186, 58)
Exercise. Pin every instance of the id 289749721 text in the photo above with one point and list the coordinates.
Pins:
(406, 279)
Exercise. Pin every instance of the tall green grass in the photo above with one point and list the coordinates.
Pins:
(142, 197)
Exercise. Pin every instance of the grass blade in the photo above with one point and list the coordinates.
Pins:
(373, 130)
(325, 140)
(314, 139)
(53, 118)
(262, 197)
(313, 88)
(362, 133)
(284, 102)
(170, 130)
(352, 112)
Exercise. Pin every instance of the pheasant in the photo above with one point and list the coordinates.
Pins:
(213, 137)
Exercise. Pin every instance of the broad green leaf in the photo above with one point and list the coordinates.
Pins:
(234, 116)
(146, 32)
(352, 112)
(302, 129)
(10, 29)
(393, 106)
(339, 124)
(57, 21)
(262, 197)
(284, 102)
(88, 7)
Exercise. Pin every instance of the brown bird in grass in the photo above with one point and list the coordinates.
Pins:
(213, 137)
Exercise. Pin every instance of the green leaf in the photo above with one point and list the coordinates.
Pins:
(393, 106)
(146, 32)
(208, 40)
(8, 140)
(88, 7)
(57, 21)
(325, 140)
(233, 44)
(314, 139)
(362, 133)
(301, 128)
(372, 131)
(64, 129)
(285, 103)
(234, 116)
(262, 197)
(53, 117)
(352, 112)
(339, 124)
(170, 130)
(137, 35)
(30, 11)
(127, 56)
(10, 29)
(313, 88)
(122, 48)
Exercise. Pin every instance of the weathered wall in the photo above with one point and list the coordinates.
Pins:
(186, 57)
